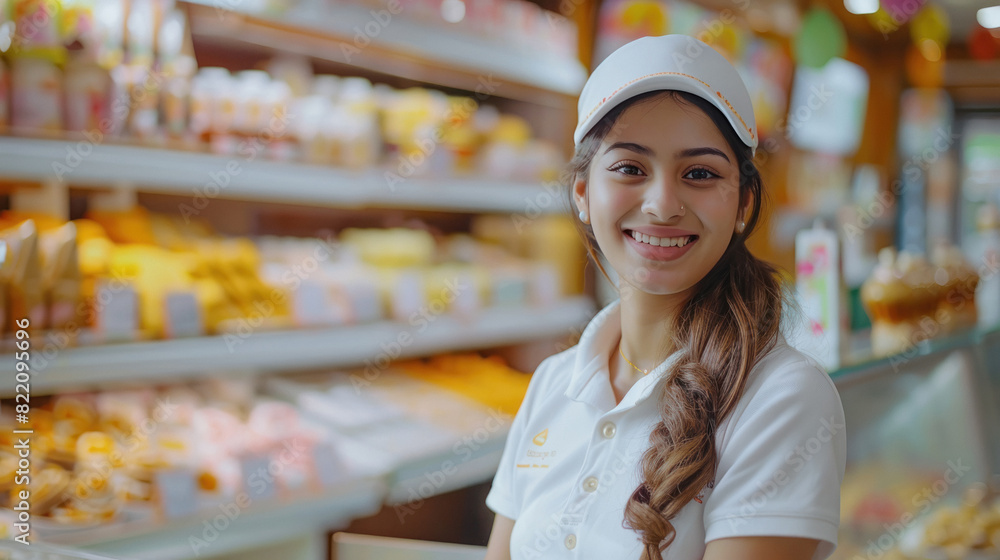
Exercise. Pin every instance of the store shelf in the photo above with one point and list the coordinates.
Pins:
(860, 362)
(260, 352)
(402, 47)
(203, 177)
(446, 472)
(260, 524)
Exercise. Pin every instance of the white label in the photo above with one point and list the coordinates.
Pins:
(177, 492)
(117, 307)
(258, 479)
(183, 316)
(465, 296)
(408, 296)
(311, 306)
(330, 467)
(366, 306)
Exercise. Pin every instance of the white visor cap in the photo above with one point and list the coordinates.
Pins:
(668, 62)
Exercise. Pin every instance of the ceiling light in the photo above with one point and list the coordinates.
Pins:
(989, 17)
(861, 6)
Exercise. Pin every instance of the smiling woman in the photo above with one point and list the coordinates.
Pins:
(673, 425)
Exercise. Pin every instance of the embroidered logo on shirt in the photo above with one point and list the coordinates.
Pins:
(541, 437)
(537, 459)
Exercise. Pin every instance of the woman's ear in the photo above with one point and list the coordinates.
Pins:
(742, 214)
(580, 197)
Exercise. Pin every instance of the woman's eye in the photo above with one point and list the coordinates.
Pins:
(700, 174)
(626, 169)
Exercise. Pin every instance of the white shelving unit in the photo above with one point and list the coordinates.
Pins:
(298, 522)
(181, 173)
(170, 360)
(441, 54)
(294, 527)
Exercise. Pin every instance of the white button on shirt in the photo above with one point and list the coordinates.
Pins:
(608, 430)
(572, 457)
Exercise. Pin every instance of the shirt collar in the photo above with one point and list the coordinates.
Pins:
(591, 382)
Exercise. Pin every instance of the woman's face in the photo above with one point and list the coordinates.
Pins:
(662, 195)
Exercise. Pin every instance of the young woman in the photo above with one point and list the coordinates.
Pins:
(682, 426)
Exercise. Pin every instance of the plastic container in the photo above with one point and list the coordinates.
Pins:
(38, 29)
(817, 283)
(250, 116)
(87, 93)
(36, 94)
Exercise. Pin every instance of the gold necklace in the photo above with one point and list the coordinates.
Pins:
(642, 371)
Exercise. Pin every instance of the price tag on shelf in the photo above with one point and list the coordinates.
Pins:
(365, 304)
(409, 296)
(183, 315)
(177, 492)
(258, 476)
(465, 296)
(329, 465)
(311, 306)
(117, 310)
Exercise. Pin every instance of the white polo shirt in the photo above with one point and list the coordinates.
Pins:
(572, 457)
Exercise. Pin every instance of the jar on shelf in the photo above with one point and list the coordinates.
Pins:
(36, 94)
(87, 92)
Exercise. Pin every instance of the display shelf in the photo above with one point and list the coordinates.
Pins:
(13, 550)
(260, 352)
(445, 472)
(402, 47)
(859, 362)
(305, 516)
(203, 177)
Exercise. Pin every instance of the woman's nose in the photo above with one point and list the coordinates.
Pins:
(661, 200)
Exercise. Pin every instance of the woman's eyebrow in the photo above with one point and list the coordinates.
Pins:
(632, 146)
(705, 151)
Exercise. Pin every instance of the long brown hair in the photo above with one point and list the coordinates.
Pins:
(730, 321)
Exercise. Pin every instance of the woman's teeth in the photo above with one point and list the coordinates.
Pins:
(662, 241)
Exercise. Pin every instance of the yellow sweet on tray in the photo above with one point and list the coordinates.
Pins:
(130, 226)
(486, 380)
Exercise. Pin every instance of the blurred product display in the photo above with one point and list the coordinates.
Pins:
(187, 281)
(911, 300)
(156, 453)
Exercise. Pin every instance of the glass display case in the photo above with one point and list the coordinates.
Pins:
(921, 459)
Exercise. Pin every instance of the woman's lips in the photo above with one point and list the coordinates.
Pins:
(656, 253)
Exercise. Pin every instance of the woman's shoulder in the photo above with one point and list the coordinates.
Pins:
(788, 382)
(783, 364)
(555, 370)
